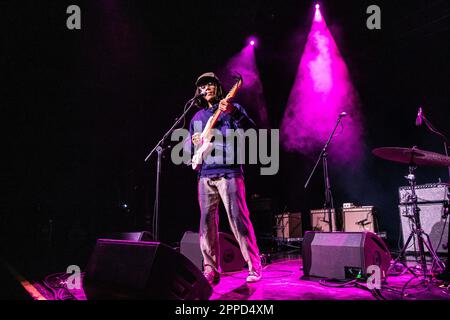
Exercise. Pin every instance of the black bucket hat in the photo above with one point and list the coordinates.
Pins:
(205, 78)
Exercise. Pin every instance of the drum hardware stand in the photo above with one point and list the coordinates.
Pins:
(423, 239)
(415, 157)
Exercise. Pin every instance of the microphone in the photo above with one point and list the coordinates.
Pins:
(361, 222)
(419, 117)
(202, 93)
(343, 114)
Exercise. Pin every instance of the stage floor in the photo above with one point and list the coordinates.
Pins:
(282, 280)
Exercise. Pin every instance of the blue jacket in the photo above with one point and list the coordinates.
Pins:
(238, 119)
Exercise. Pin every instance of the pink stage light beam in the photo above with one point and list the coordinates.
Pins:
(251, 95)
(321, 91)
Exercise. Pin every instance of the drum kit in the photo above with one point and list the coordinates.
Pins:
(414, 158)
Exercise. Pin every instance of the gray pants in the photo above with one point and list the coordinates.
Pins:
(232, 193)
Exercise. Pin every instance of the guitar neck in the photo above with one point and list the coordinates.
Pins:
(216, 114)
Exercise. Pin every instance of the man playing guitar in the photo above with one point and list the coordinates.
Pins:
(219, 179)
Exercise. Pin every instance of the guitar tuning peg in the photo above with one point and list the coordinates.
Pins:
(237, 76)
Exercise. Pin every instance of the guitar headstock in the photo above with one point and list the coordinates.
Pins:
(238, 78)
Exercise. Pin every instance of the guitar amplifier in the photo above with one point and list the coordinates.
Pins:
(426, 193)
(319, 220)
(432, 201)
(289, 225)
(359, 219)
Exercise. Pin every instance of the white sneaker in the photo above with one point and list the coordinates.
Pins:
(254, 276)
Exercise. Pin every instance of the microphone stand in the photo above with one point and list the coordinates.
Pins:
(432, 129)
(328, 206)
(159, 148)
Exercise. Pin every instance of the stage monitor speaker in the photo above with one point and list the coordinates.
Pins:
(319, 220)
(230, 257)
(359, 219)
(190, 248)
(433, 204)
(289, 225)
(343, 255)
(120, 269)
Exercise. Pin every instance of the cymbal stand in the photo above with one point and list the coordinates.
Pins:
(423, 239)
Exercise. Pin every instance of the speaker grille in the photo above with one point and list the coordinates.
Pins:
(431, 199)
(340, 255)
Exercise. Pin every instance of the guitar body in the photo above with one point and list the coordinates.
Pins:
(201, 154)
(205, 147)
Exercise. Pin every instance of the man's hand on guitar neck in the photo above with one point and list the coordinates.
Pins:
(226, 106)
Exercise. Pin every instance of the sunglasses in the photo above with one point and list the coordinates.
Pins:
(209, 84)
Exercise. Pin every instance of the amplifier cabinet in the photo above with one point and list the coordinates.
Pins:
(432, 201)
(433, 221)
(289, 225)
(359, 219)
(426, 193)
(319, 220)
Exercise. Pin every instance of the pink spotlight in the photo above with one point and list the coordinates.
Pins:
(251, 41)
(322, 90)
(317, 14)
(252, 94)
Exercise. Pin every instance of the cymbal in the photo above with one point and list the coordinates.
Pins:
(413, 156)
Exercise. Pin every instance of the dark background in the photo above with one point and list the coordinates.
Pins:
(81, 109)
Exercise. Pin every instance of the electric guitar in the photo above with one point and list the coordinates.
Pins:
(205, 146)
